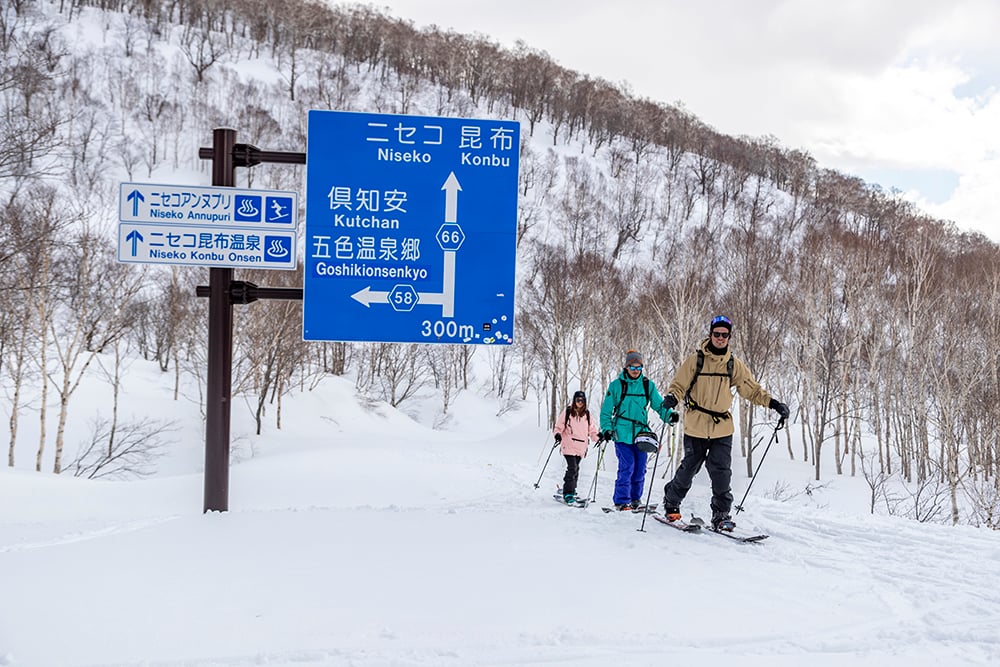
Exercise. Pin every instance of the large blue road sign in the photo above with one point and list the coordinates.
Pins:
(411, 228)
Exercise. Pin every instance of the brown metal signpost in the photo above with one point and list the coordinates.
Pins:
(222, 292)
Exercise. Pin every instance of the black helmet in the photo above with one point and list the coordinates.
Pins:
(720, 321)
(580, 394)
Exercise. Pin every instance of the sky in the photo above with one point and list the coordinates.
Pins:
(903, 93)
(357, 536)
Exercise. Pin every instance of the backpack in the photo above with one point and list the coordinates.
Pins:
(690, 402)
(645, 387)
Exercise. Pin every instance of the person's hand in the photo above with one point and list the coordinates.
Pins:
(672, 417)
(669, 402)
(608, 436)
(558, 438)
(780, 408)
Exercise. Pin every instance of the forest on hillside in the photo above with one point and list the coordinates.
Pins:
(636, 223)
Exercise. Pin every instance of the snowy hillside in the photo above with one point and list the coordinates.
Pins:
(357, 534)
(365, 539)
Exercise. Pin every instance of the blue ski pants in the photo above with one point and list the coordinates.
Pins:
(631, 474)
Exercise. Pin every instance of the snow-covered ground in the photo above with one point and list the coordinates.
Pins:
(366, 539)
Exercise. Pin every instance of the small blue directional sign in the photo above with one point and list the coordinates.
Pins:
(411, 229)
(199, 226)
(207, 245)
(197, 205)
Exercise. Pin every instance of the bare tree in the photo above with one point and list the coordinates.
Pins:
(121, 451)
(268, 346)
(91, 313)
(202, 49)
(400, 372)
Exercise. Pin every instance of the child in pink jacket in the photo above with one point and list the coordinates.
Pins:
(574, 430)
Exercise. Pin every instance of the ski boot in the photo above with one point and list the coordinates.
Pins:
(570, 498)
(721, 521)
(671, 512)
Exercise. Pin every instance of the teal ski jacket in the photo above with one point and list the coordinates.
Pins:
(628, 414)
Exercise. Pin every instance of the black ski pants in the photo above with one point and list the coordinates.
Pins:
(572, 473)
(716, 454)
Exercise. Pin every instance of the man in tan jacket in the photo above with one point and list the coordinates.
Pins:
(705, 381)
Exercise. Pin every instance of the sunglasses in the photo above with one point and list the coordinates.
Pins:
(580, 400)
(634, 368)
(720, 334)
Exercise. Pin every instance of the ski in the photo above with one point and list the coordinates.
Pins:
(651, 509)
(747, 539)
(679, 525)
(581, 502)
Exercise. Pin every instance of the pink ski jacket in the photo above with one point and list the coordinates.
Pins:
(577, 434)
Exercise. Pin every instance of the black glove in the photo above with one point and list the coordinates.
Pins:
(673, 417)
(780, 408)
(558, 437)
(669, 402)
(608, 436)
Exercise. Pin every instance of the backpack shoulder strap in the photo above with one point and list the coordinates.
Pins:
(621, 399)
(691, 403)
(697, 371)
(645, 387)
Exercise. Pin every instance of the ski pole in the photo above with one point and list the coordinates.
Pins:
(600, 458)
(672, 439)
(656, 459)
(546, 463)
(774, 439)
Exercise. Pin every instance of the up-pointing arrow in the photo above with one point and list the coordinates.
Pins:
(136, 238)
(135, 197)
(451, 188)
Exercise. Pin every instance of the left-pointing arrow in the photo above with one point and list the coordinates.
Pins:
(136, 238)
(367, 296)
(135, 197)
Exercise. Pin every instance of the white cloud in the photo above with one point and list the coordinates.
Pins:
(974, 200)
(896, 87)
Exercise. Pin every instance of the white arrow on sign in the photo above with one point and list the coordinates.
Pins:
(367, 296)
(451, 188)
(446, 297)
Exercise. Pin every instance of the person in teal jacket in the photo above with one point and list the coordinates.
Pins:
(624, 414)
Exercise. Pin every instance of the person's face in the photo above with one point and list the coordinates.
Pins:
(720, 337)
(634, 370)
(580, 403)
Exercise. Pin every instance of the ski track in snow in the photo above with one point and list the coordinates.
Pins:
(472, 571)
(84, 535)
